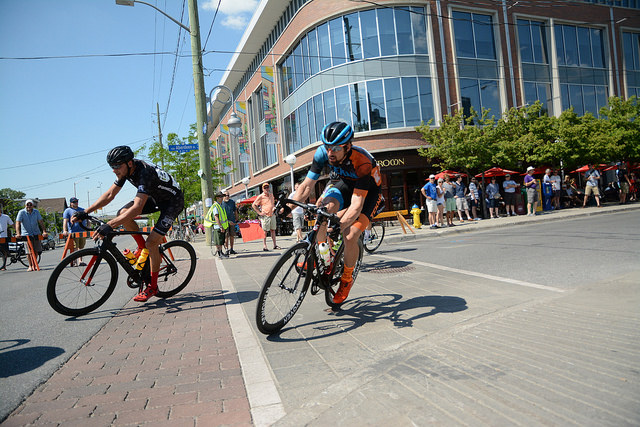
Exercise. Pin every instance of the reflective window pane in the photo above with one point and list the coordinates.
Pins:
(483, 32)
(463, 34)
(352, 37)
(411, 102)
(337, 41)
(393, 97)
(359, 108)
(590, 101)
(539, 42)
(584, 47)
(419, 30)
(304, 125)
(470, 96)
(369, 29)
(294, 133)
(343, 105)
(305, 59)
(570, 44)
(575, 98)
(314, 60)
(627, 44)
(329, 103)
(564, 94)
(319, 117)
(311, 120)
(544, 95)
(298, 76)
(560, 45)
(426, 99)
(376, 105)
(490, 97)
(324, 46)
(403, 29)
(602, 96)
(597, 47)
(387, 32)
(524, 41)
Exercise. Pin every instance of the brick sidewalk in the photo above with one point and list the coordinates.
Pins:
(168, 362)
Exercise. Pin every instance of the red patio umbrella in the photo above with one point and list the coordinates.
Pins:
(248, 201)
(450, 173)
(496, 172)
(586, 168)
(610, 168)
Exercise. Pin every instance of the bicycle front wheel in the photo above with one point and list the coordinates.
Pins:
(25, 261)
(284, 289)
(177, 265)
(375, 238)
(75, 290)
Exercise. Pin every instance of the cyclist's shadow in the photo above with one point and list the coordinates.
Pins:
(374, 308)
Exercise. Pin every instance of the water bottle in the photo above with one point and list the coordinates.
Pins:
(142, 259)
(324, 253)
(130, 256)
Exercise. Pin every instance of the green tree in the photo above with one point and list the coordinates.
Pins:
(623, 126)
(9, 199)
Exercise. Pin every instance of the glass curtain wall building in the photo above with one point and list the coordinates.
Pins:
(386, 67)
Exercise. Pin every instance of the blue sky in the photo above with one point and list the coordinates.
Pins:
(59, 116)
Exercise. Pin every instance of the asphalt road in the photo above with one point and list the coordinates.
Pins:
(34, 339)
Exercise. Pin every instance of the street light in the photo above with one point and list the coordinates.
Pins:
(245, 181)
(206, 182)
(291, 160)
(234, 123)
(74, 187)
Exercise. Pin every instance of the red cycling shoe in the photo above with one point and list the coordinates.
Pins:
(146, 294)
(343, 291)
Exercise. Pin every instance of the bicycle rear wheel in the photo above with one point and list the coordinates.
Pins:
(332, 287)
(22, 257)
(177, 265)
(375, 238)
(284, 289)
(77, 290)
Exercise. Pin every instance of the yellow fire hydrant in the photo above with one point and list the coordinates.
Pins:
(416, 216)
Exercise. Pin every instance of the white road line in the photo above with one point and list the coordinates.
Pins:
(473, 273)
(264, 399)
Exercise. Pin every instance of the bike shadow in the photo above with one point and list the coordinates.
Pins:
(21, 360)
(374, 308)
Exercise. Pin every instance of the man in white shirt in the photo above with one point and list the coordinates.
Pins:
(556, 186)
(5, 224)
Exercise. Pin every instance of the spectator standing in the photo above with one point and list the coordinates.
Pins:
(633, 187)
(29, 223)
(493, 195)
(623, 182)
(474, 198)
(264, 206)
(430, 193)
(5, 224)
(509, 187)
(297, 214)
(217, 218)
(231, 210)
(532, 191)
(461, 199)
(592, 177)
(440, 201)
(572, 190)
(556, 187)
(449, 200)
(69, 227)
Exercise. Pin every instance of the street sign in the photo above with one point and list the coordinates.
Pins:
(183, 148)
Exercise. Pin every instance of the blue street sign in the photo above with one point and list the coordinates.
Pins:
(183, 148)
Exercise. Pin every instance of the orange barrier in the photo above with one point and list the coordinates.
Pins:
(33, 258)
(69, 245)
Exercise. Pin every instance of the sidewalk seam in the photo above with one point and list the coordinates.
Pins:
(264, 398)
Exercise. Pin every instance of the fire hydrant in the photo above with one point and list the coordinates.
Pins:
(416, 216)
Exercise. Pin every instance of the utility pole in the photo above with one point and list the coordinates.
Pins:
(201, 110)
(160, 136)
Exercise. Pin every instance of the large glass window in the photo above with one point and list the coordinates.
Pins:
(314, 60)
(419, 30)
(337, 41)
(369, 28)
(352, 35)
(426, 99)
(298, 76)
(532, 41)
(311, 120)
(393, 97)
(480, 94)
(411, 102)
(483, 33)
(359, 108)
(464, 35)
(305, 59)
(324, 46)
(405, 35)
(377, 110)
(319, 118)
(343, 104)
(303, 120)
(631, 48)
(386, 29)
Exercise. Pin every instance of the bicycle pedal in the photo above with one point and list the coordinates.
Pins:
(315, 289)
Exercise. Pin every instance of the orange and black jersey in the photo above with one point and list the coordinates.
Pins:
(358, 170)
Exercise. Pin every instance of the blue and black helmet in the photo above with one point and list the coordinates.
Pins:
(337, 133)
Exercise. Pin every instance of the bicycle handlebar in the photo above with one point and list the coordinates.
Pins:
(309, 207)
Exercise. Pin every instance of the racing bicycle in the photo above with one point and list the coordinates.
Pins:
(75, 289)
(376, 235)
(299, 268)
(16, 253)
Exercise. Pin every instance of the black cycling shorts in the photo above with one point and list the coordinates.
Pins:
(372, 200)
(169, 211)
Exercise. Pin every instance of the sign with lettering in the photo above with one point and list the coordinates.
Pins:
(183, 148)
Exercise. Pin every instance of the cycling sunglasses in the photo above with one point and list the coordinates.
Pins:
(334, 148)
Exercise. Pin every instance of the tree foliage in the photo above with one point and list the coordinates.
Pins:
(527, 136)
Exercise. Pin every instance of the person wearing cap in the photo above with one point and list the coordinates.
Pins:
(461, 199)
(509, 187)
(431, 194)
(69, 227)
(217, 218)
(265, 206)
(29, 222)
(532, 191)
(592, 177)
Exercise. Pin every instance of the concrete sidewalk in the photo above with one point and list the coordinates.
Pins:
(401, 353)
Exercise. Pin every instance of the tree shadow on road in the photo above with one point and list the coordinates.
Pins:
(21, 360)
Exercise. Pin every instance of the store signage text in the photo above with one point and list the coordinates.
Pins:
(385, 163)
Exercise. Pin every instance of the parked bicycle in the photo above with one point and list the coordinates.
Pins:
(77, 290)
(298, 268)
(16, 253)
(373, 239)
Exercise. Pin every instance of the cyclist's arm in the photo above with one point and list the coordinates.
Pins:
(127, 214)
(304, 189)
(105, 199)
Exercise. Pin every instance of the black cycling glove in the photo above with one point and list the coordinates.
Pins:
(104, 230)
(81, 216)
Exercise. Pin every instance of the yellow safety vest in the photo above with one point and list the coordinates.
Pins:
(209, 220)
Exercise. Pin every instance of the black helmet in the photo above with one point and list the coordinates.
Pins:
(118, 155)
(337, 133)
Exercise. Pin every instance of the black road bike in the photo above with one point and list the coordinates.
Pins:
(75, 289)
(16, 253)
(375, 238)
(299, 268)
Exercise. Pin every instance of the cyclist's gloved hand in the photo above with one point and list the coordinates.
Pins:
(334, 222)
(104, 230)
(79, 216)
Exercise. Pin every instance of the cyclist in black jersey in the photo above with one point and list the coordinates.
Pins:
(354, 194)
(157, 191)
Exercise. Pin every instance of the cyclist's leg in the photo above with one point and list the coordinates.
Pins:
(131, 225)
(333, 199)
